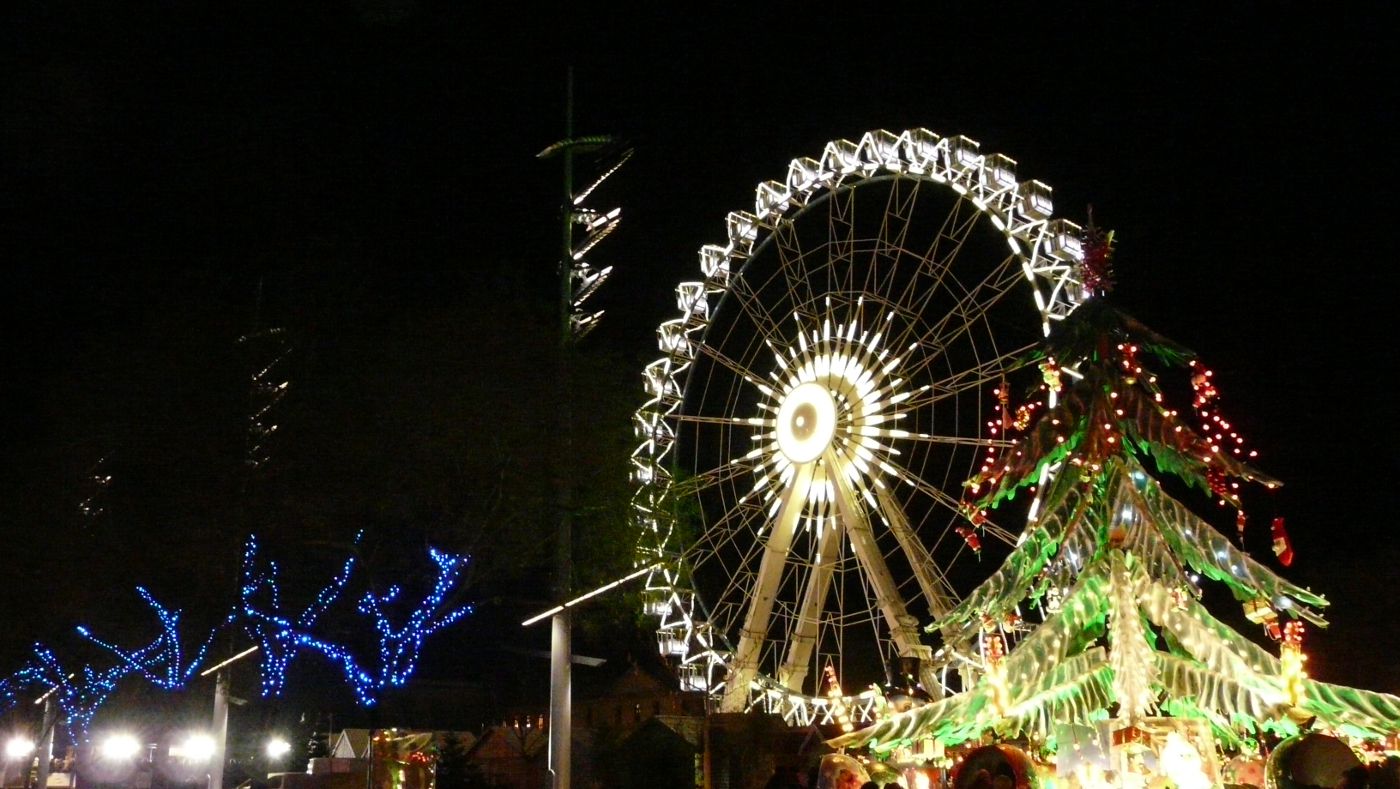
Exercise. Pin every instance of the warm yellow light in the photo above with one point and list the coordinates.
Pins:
(18, 748)
(195, 748)
(278, 747)
(806, 422)
(119, 747)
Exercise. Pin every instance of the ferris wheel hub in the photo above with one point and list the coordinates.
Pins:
(806, 422)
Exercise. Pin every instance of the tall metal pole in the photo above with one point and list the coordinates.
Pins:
(561, 629)
(45, 751)
(219, 730)
(577, 281)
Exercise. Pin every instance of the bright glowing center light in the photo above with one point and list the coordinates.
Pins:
(119, 747)
(18, 748)
(806, 422)
(278, 747)
(197, 748)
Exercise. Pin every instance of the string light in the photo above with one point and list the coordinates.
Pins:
(78, 694)
(360, 682)
(399, 648)
(1291, 659)
(994, 649)
(280, 637)
(277, 635)
(839, 710)
(161, 662)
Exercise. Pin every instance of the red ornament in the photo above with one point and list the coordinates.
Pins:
(1096, 269)
(1219, 483)
(1283, 546)
(970, 537)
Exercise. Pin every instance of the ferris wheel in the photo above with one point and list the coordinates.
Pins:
(821, 397)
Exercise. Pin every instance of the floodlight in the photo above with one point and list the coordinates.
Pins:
(119, 747)
(18, 747)
(198, 747)
(278, 747)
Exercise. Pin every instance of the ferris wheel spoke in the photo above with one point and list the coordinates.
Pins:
(894, 231)
(954, 506)
(749, 302)
(936, 260)
(959, 319)
(721, 537)
(981, 297)
(948, 243)
(976, 378)
(973, 377)
(840, 241)
(728, 421)
(791, 268)
(753, 378)
(955, 441)
(754, 630)
(709, 478)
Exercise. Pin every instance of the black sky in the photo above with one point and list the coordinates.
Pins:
(158, 159)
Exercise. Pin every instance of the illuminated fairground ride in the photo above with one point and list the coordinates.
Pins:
(821, 399)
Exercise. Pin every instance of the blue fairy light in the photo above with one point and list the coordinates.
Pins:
(79, 694)
(161, 662)
(278, 636)
(360, 682)
(400, 648)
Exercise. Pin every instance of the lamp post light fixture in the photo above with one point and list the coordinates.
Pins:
(17, 750)
(18, 747)
(119, 748)
(278, 748)
(197, 748)
(220, 723)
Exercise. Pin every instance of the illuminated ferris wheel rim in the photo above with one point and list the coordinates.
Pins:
(1047, 249)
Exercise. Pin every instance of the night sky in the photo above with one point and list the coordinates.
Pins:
(375, 159)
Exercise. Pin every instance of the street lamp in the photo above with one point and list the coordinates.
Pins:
(220, 727)
(17, 749)
(277, 748)
(119, 748)
(197, 748)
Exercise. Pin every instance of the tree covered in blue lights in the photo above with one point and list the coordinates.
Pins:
(400, 647)
(281, 631)
(79, 693)
(161, 662)
(280, 635)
